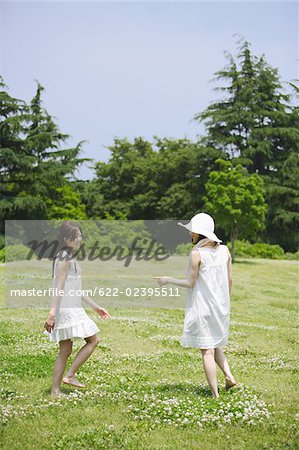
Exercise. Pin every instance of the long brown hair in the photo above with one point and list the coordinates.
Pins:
(67, 230)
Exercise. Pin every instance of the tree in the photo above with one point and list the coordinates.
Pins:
(13, 113)
(254, 120)
(67, 205)
(283, 197)
(34, 167)
(256, 124)
(236, 201)
(183, 170)
(127, 183)
(159, 180)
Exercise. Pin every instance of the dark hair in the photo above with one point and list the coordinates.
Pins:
(68, 230)
(201, 236)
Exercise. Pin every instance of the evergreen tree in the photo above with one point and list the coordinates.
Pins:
(256, 124)
(13, 114)
(283, 196)
(254, 121)
(33, 164)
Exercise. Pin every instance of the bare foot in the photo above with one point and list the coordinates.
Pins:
(72, 381)
(231, 382)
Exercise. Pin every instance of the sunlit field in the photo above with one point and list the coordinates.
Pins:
(144, 391)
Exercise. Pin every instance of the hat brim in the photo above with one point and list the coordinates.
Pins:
(208, 234)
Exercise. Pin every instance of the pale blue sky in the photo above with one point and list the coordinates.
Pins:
(116, 69)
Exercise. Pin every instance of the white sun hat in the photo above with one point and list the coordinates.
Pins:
(203, 224)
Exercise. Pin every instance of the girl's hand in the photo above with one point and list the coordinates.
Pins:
(162, 280)
(50, 323)
(102, 312)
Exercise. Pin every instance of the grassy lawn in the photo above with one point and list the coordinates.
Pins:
(144, 390)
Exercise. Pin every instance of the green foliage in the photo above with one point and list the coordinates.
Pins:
(258, 250)
(256, 123)
(2, 241)
(34, 165)
(90, 196)
(110, 232)
(246, 249)
(127, 183)
(117, 236)
(292, 256)
(150, 180)
(236, 200)
(66, 205)
(183, 249)
(282, 195)
(17, 252)
(256, 119)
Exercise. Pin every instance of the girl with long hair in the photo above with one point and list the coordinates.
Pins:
(67, 318)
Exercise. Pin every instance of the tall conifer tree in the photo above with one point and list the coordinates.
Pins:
(256, 122)
(33, 165)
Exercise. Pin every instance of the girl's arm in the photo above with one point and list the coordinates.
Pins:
(98, 309)
(230, 273)
(188, 282)
(88, 300)
(62, 270)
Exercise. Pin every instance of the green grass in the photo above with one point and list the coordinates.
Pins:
(142, 385)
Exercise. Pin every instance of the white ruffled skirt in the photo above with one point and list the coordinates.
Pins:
(72, 323)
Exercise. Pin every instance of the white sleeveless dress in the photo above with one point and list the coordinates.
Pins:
(71, 320)
(208, 302)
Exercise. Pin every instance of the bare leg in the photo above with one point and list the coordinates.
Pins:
(223, 364)
(60, 364)
(210, 369)
(83, 354)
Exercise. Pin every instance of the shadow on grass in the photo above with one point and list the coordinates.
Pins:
(65, 390)
(197, 391)
(184, 388)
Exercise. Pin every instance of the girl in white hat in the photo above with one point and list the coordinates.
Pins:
(209, 283)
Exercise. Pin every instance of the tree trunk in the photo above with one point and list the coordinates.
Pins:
(233, 237)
